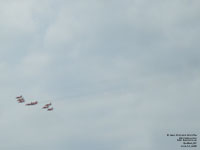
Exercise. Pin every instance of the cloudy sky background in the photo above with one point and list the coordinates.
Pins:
(120, 74)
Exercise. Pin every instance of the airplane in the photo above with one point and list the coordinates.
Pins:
(32, 103)
(21, 100)
(49, 104)
(46, 106)
(19, 97)
(50, 109)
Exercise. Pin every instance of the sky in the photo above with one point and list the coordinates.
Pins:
(121, 74)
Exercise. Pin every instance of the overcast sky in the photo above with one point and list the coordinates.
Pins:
(120, 74)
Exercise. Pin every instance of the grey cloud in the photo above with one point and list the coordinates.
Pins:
(121, 74)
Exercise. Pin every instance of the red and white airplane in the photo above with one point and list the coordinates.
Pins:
(21, 100)
(46, 106)
(19, 97)
(50, 109)
(32, 103)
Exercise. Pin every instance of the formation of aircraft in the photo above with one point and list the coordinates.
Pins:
(20, 99)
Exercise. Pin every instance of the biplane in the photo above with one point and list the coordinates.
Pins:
(50, 109)
(19, 97)
(21, 100)
(46, 106)
(32, 103)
